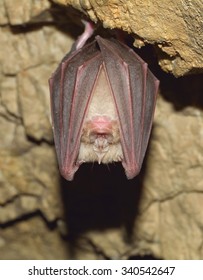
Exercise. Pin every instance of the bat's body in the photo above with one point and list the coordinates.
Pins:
(102, 100)
(100, 139)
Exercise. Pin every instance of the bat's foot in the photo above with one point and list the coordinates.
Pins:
(82, 39)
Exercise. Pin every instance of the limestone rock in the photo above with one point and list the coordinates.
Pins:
(32, 240)
(21, 11)
(174, 27)
(101, 214)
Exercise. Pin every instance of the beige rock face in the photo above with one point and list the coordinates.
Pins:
(174, 27)
(102, 214)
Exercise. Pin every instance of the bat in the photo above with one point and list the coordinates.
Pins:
(103, 99)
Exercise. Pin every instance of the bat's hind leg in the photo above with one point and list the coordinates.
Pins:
(89, 30)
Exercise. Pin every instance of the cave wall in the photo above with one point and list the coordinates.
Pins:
(100, 214)
(174, 27)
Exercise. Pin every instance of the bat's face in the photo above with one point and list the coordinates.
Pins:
(102, 101)
(100, 139)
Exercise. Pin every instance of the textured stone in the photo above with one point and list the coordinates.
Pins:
(177, 35)
(32, 86)
(9, 96)
(22, 10)
(183, 228)
(158, 214)
(27, 183)
(33, 240)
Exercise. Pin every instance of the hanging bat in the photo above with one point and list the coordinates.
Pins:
(102, 101)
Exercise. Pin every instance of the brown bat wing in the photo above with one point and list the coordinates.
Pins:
(134, 90)
(70, 88)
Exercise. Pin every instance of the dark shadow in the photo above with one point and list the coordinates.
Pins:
(183, 92)
(66, 19)
(99, 198)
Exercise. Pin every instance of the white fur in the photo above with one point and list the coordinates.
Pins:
(101, 104)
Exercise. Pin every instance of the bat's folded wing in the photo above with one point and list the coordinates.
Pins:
(134, 90)
(132, 86)
(70, 87)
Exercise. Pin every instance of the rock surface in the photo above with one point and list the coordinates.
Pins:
(100, 215)
(174, 27)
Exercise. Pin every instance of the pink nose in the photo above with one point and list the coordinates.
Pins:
(101, 125)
